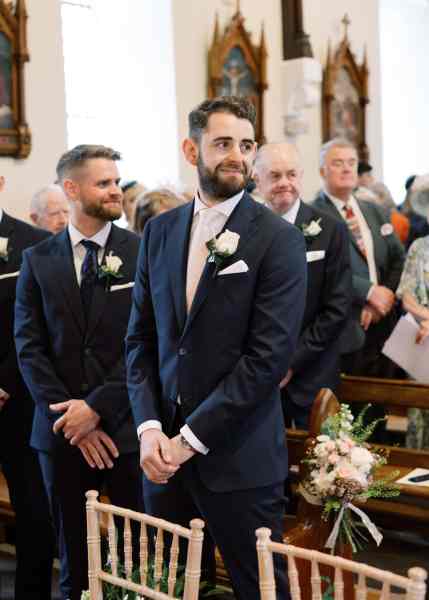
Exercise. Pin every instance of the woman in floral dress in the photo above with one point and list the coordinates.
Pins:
(414, 291)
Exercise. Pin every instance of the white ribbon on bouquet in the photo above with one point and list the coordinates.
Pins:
(332, 539)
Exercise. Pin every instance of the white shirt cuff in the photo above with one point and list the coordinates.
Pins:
(193, 440)
(151, 424)
(370, 291)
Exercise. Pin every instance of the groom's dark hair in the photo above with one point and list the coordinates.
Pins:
(234, 105)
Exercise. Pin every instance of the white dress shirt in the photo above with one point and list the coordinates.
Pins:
(1, 214)
(365, 232)
(291, 214)
(223, 211)
(79, 249)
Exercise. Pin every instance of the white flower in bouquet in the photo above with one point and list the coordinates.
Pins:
(362, 458)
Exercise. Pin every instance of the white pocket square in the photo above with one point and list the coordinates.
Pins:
(315, 255)
(237, 267)
(7, 275)
(122, 286)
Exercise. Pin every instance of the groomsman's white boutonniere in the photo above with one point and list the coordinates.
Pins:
(110, 269)
(311, 230)
(4, 253)
(222, 247)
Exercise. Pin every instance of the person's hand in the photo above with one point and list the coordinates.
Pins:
(4, 397)
(98, 449)
(283, 383)
(156, 456)
(181, 452)
(77, 421)
(382, 299)
(369, 316)
(423, 332)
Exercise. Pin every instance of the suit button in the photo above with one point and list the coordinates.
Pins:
(88, 351)
(182, 351)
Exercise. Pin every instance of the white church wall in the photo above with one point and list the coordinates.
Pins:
(45, 110)
(404, 39)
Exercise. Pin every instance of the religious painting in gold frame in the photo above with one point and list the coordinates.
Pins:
(238, 68)
(345, 96)
(15, 137)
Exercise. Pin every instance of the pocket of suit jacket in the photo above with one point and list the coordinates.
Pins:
(122, 286)
(315, 255)
(9, 275)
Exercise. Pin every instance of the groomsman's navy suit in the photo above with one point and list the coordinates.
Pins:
(34, 533)
(316, 362)
(62, 358)
(224, 360)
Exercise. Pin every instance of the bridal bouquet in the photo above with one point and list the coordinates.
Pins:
(341, 468)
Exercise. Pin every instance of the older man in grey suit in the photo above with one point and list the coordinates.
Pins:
(377, 259)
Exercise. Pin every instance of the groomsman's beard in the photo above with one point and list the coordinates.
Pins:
(215, 187)
(102, 213)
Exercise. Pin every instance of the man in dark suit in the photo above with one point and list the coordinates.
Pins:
(72, 309)
(377, 258)
(34, 532)
(278, 173)
(209, 340)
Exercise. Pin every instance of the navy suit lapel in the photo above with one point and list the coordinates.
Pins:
(101, 291)
(177, 256)
(240, 221)
(304, 215)
(66, 275)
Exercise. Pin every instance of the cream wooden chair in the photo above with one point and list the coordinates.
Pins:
(414, 585)
(95, 510)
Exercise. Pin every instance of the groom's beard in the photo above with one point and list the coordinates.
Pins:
(213, 185)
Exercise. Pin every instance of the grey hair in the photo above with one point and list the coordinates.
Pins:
(38, 201)
(337, 142)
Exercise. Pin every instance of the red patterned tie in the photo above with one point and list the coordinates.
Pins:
(354, 227)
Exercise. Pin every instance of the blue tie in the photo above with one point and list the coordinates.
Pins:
(89, 275)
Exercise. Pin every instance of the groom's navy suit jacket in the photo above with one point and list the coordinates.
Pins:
(224, 359)
(59, 357)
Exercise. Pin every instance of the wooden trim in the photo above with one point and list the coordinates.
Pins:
(296, 43)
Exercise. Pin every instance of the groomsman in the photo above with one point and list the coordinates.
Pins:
(34, 532)
(377, 259)
(209, 340)
(72, 308)
(278, 173)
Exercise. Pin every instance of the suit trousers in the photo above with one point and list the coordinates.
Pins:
(67, 477)
(35, 540)
(231, 520)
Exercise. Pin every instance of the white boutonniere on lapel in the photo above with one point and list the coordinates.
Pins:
(222, 248)
(4, 252)
(110, 269)
(311, 230)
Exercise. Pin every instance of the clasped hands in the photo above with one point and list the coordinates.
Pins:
(4, 397)
(380, 303)
(160, 456)
(79, 423)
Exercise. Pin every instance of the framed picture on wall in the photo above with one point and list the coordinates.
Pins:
(345, 97)
(15, 137)
(238, 68)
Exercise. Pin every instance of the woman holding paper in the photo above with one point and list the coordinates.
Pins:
(414, 291)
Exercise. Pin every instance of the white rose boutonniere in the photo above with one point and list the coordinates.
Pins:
(3, 249)
(311, 230)
(110, 268)
(222, 247)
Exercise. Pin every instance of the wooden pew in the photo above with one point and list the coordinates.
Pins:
(412, 506)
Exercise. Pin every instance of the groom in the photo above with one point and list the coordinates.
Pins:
(208, 343)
